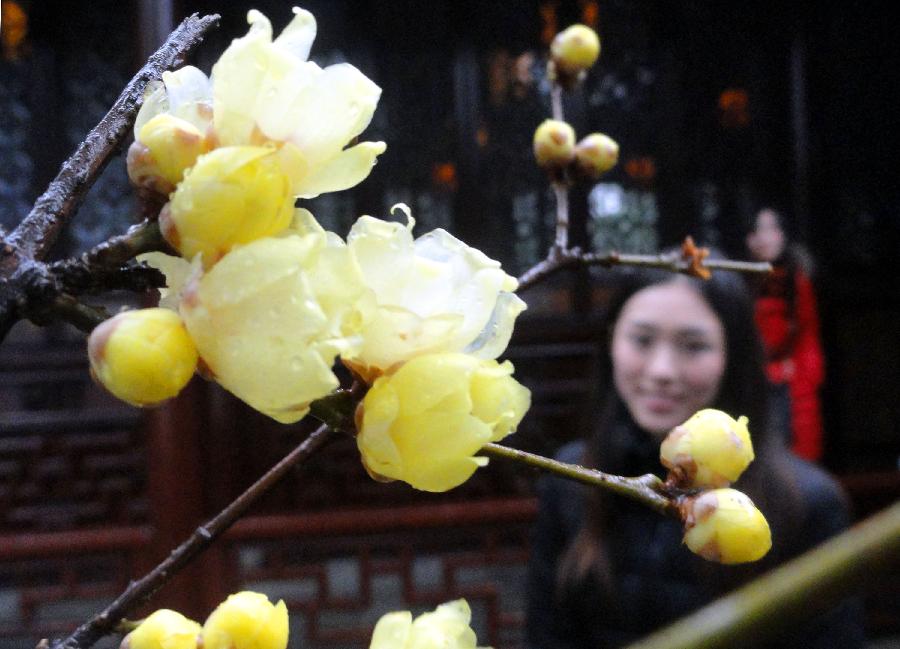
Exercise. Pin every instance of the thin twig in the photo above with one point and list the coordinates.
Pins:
(646, 489)
(141, 591)
(561, 191)
(673, 263)
(556, 105)
(796, 590)
(560, 182)
(558, 260)
(36, 234)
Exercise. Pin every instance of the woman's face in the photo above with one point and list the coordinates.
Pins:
(668, 355)
(767, 241)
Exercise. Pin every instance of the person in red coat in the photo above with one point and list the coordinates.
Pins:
(786, 315)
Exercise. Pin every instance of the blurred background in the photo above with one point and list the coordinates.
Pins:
(715, 106)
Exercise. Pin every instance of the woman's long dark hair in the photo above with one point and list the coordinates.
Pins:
(743, 391)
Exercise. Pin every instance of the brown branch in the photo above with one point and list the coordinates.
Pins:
(35, 236)
(139, 592)
(558, 259)
(646, 489)
(101, 268)
(794, 591)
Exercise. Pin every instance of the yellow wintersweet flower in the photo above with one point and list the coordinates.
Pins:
(447, 627)
(724, 525)
(163, 629)
(434, 294)
(143, 357)
(708, 450)
(232, 195)
(423, 423)
(247, 620)
(270, 317)
(266, 92)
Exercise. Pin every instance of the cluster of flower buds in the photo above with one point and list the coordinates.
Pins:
(263, 300)
(447, 627)
(707, 453)
(556, 149)
(245, 620)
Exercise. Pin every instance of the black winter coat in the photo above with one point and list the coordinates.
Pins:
(657, 579)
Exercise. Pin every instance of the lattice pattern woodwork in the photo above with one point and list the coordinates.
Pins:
(70, 456)
(336, 587)
(52, 596)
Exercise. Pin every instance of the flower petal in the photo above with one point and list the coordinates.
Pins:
(177, 271)
(190, 96)
(494, 337)
(297, 38)
(155, 101)
(392, 631)
(347, 169)
(261, 329)
(334, 108)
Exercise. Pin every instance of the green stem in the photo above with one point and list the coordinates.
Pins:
(794, 591)
(65, 308)
(646, 489)
(336, 410)
(140, 238)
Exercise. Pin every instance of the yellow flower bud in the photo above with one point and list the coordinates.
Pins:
(708, 450)
(554, 144)
(574, 49)
(596, 154)
(446, 627)
(165, 148)
(143, 357)
(163, 629)
(724, 525)
(231, 196)
(423, 423)
(247, 620)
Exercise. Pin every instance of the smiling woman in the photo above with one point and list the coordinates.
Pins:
(605, 571)
(668, 350)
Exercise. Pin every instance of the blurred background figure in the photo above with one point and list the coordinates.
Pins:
(786, 315)
(605, 570)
